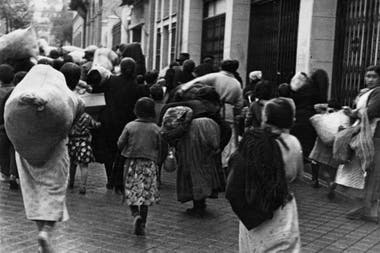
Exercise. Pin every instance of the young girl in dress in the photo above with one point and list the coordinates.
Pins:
(140, 145)
(79, 145)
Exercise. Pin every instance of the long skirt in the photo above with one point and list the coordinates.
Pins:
(371, 192)
(199, 172)
(280, 234)
(44, 188)
(230, 148)
(141, 182)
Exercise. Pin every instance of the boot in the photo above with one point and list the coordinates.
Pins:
(315, 175)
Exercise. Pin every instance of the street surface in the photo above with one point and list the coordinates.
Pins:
(99, 222)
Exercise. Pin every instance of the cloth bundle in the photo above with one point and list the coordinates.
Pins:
(19, 44)
(104, 61)
(176, 122)
(39, 114)
(327, 125)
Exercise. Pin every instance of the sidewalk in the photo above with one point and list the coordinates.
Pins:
(100, 223)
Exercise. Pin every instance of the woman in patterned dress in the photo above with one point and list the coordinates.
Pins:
(140, 144)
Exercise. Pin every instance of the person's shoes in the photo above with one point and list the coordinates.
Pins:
(13, 185)
(82, 190)
(44, 242)
(368, 218)
(109, 186)
(139, 226)
(355, 214)
(71, 185)
(3, 177)
(315, 184)
(118, 190)
(331, 193)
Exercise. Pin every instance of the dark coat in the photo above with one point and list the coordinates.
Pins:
(204, 69)
(134, 51)
(182, 76)
(304, 100)
(121, 94)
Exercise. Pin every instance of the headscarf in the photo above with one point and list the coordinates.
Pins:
(255, 75)
(298, 81)
(128, 67)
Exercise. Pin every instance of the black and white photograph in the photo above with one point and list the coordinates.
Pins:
(189, 126)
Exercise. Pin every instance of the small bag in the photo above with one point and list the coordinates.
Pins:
(170, 164)
(342, 152)
(327, 125)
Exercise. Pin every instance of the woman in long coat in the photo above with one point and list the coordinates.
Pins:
(197, 175)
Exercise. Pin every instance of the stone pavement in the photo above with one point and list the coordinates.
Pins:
(100, 223)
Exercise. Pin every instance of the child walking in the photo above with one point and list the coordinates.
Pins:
(79, 145)
(140, 145)
(80, 150)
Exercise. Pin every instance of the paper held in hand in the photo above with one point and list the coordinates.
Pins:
(94, 99)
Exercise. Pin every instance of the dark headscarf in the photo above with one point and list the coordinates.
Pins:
(72, 73)
(134, 51)
(128, 67)
(6, 73)
(320, 82)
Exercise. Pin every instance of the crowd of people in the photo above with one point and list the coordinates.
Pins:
(250, 141)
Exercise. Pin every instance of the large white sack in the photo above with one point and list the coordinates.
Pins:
(19, 44)
(104, 61)
(70, 49)
(106, 58)
(39, 113)
(77, 56)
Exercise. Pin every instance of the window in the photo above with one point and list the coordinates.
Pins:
(116, 34)
(158, 49)
(136, 34)
(165, 50)
(173, 42)
(174, 6)
(158, 8)
(213, 37)
(166, 8)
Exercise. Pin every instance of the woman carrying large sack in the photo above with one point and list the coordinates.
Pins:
(38, 116)
(369, 100)
(268, 158)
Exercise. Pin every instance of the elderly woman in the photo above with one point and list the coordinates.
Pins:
(267, 160)
(369, 99)
(197, 175)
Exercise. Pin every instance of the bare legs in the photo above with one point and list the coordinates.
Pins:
(83, 178)
(45, 229)
(84, 175)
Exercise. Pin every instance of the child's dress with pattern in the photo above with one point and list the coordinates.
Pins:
(80, 150)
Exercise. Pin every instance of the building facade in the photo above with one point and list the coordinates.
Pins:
(78, 31)
(279, 37)
(95, 21)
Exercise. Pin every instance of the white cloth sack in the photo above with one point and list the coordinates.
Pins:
(327, 125)
(19, 44)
